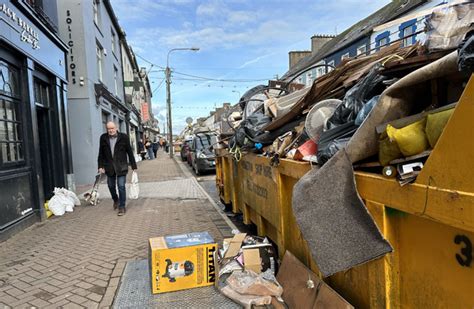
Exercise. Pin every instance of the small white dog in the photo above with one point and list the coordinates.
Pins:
(92, 197)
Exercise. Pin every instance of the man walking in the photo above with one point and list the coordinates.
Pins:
(112, 160)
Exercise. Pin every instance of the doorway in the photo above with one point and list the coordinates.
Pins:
(43, 103)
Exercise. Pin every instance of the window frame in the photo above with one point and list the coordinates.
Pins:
(96, 12)
(116, 84)
(364, 47)
(99, 61)
(113, 41)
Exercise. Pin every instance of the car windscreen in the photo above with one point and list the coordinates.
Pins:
(205, 141)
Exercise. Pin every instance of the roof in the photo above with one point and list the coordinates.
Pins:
(361, 29)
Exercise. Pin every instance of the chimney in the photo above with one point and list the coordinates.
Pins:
(318, 41)
(296, 56)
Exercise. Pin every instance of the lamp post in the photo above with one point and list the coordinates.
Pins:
(238, 92)
(168, 95)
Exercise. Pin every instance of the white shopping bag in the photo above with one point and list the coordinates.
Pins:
(134, 188)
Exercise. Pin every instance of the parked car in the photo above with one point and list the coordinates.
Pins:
(202, 154)
(185, 149)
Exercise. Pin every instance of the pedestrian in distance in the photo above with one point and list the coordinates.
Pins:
(141, 149)
(155, 146)
(114, 147)
(149, 149)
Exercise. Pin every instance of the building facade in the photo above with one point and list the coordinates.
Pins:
(35, 151)
(95, 92)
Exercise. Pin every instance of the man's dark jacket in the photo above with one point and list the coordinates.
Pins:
(116, 165)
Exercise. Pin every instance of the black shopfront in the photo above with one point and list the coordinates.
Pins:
(34, 139)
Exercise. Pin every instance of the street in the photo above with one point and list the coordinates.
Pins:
(77, 260)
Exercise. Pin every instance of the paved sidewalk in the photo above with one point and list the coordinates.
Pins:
(77, 260)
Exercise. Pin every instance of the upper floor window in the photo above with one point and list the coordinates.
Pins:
(345, 56)
(407, 32)
(331, 65)
(116, 80)
(361, 50)
(382, 40)
(309, 78)
(95, 7)
(114, 40)
(99, 57)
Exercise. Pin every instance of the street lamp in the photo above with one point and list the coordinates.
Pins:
(238, 92)
(168, 95)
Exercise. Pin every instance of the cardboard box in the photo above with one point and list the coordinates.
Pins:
(182, 262)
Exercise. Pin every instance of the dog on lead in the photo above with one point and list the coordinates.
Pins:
(92, 197)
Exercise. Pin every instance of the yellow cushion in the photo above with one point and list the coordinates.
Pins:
(410, 139)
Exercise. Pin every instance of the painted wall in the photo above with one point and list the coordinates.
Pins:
(78, 29)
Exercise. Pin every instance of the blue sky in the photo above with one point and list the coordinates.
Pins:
(238, 40)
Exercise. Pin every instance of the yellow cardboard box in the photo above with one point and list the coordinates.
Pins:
(182, 262)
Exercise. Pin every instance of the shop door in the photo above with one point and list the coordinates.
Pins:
(43, 100)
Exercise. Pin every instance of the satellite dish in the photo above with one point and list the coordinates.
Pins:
(189, 120)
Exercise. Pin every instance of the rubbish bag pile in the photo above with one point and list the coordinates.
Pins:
(63, 201)
(247, 270)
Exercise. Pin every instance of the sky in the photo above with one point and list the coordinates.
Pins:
(243, 43)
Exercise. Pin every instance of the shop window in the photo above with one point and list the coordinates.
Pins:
(9, 80)
(105, 119)
(42, 93)
(11, 141)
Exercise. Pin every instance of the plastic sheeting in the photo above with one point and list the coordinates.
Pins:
(356, 97)
(466, 54)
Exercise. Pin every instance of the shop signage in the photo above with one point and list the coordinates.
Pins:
(145, 112)
(28, 34)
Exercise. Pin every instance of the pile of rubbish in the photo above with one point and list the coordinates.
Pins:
(312, 124)
(381, 113)
(63, 201)
(250, 274)
(247, 268)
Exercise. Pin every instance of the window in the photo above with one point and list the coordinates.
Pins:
(361, 50)
(407, 36)
(331, 64)
(113, 41)
(406, 32)
(309, 78)
(95, 7)
(105, 119)
(99, 56)
(115, 80)
(382, 40)
(345, 56)
(320, 71)
(42, 93)
(11, 142)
